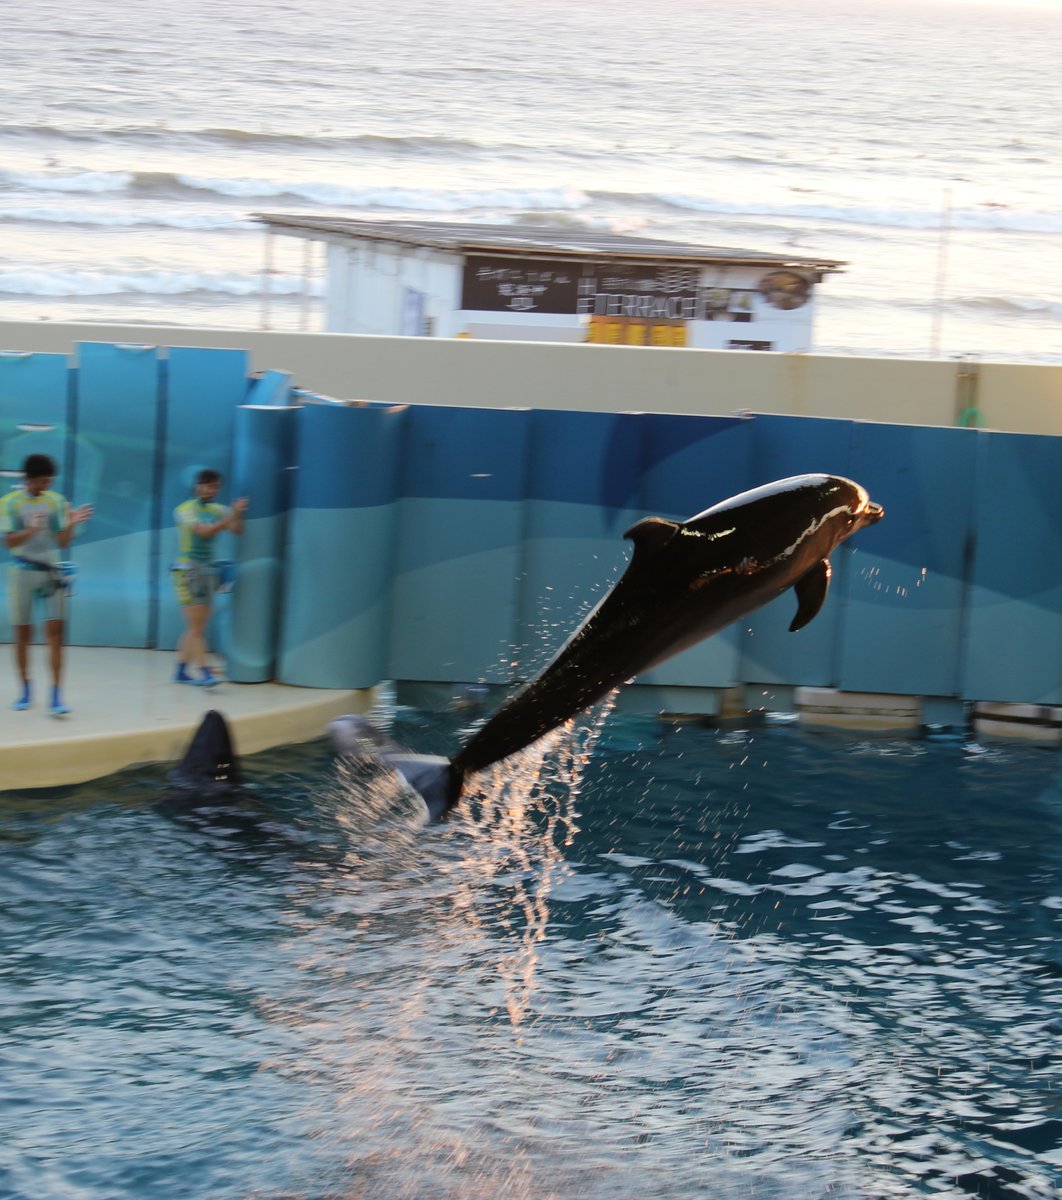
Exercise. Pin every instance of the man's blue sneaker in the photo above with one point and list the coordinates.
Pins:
(24, 700)
(181, 674)
(57, 708)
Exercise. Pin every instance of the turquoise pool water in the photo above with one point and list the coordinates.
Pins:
(652, 962)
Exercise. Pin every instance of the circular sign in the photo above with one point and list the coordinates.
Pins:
(784, 289)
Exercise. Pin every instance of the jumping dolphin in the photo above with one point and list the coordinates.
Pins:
(685, 581)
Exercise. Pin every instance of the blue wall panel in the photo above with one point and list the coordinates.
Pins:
(786, 446)
(248, 625)
(455, 597)
(904, 579)
(271, 388)
(689, 464)
(1014, 632)
(340, 546)
(452, 545)
(583, 492)
(203, 390)
(114, 470)
(34, 391)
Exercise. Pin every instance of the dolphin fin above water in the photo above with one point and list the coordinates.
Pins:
(209, 768)
(811, 592)
(652, 534)
(685, 581)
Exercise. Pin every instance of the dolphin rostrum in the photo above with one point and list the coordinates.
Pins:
(685, 581)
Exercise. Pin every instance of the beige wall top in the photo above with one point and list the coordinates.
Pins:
(1019, 398)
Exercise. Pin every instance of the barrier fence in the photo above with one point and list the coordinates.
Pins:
(414, 542)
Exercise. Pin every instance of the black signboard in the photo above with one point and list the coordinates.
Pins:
(520, 285)
(646, 292)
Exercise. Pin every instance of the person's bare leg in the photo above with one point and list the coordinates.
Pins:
(23, 637)
(182, 645)
(188, 651)
(54, 633)
(197, 616)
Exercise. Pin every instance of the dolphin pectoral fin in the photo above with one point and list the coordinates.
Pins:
(811, 592)
(651, 534)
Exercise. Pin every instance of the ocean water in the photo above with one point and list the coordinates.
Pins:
(918, 140)
(648, 961)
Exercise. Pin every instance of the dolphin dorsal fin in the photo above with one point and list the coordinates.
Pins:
(652, 533)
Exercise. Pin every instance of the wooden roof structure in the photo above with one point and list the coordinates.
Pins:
(526, 241)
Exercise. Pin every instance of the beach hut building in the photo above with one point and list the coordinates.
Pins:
(531, 283)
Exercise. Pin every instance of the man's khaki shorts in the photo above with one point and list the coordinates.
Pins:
(25, 585)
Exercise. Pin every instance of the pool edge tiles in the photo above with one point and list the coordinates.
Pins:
(126, 711)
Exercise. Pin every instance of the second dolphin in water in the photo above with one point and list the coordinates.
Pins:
(685, 581)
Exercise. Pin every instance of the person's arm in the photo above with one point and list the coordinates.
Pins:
(13, 538)
(209, 529)
(78, 516)
(234, 521)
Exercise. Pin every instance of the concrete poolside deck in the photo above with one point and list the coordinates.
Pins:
(126, 710)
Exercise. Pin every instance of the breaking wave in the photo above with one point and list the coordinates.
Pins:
(31, 282)
(1002, 307)
(175, 185)
(563, 199)
(125, 220)
(227, 137)
(985, 217)
(71, 182)
(417, 199)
